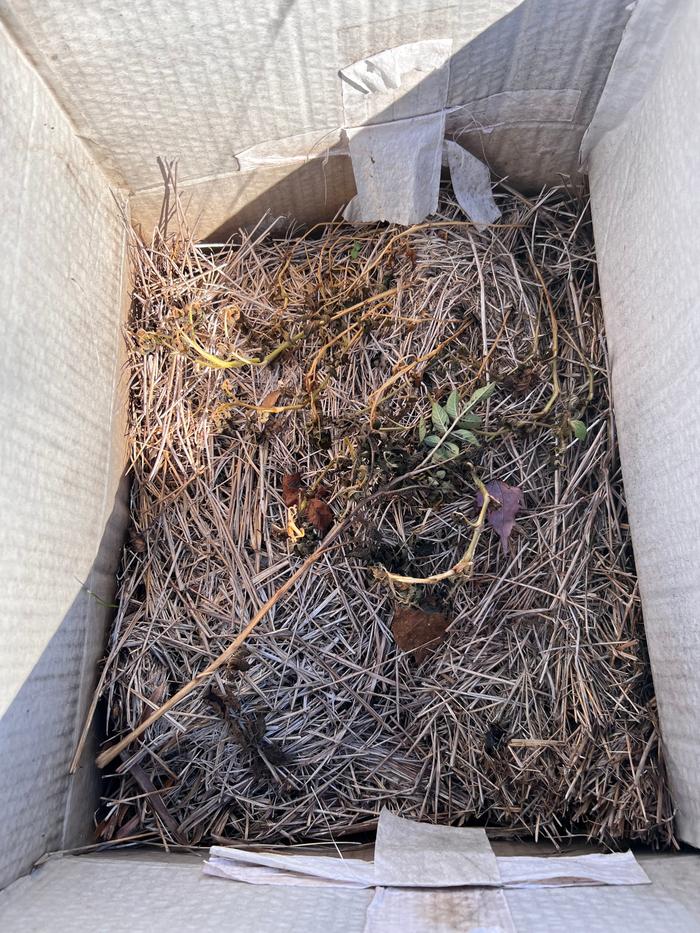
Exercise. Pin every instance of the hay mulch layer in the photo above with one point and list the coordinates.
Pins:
(433, 402)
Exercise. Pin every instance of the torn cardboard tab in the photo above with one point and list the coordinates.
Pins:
(615, 868)
(409, 854)
(234, 870)
(395, 84)
(423, 855)
(397, 170)
(394, 105)
(320, 867)
(471, 181)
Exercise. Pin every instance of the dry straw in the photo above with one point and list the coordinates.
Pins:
(319, 353)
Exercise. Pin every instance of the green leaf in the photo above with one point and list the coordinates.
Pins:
(355, 251)
(483, 393)
(432, 440)
(469, 422)
(465, 435)
(579, 429)
(422, 430)
(447, 450)
(452, 404)
(440, 418)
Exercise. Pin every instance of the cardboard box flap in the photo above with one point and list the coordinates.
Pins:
(203, 83)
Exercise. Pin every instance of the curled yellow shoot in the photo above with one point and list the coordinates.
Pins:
(465, 565)
(212, 359)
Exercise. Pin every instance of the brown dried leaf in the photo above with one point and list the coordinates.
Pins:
(270, 401)
(501, 512)
(291, 489)
(319, 515)
(418, 631)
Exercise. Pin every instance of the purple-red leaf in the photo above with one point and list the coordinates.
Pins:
(504, 506)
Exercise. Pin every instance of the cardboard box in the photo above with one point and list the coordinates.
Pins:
(252, 101)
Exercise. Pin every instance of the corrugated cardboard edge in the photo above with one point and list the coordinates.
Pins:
(84, 787)
(643, 184)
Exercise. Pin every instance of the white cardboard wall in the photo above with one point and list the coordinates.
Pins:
(61, 280)
(645, 210)
(204, 82)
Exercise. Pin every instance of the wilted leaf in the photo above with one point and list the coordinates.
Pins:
(269, 403)
(291, 489)
(466, 436)
(321, 492)
(441, 419)
(411, 255)
(319, 515)
(418, 631)
(422, 430)
(579, 429)
(271, 399)
(501, 513)
(432, 440)
(452, 404)
(450, 448)
(483, 393)
(469, 422)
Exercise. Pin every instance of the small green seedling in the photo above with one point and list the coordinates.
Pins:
(453, 424)
(579, 428)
